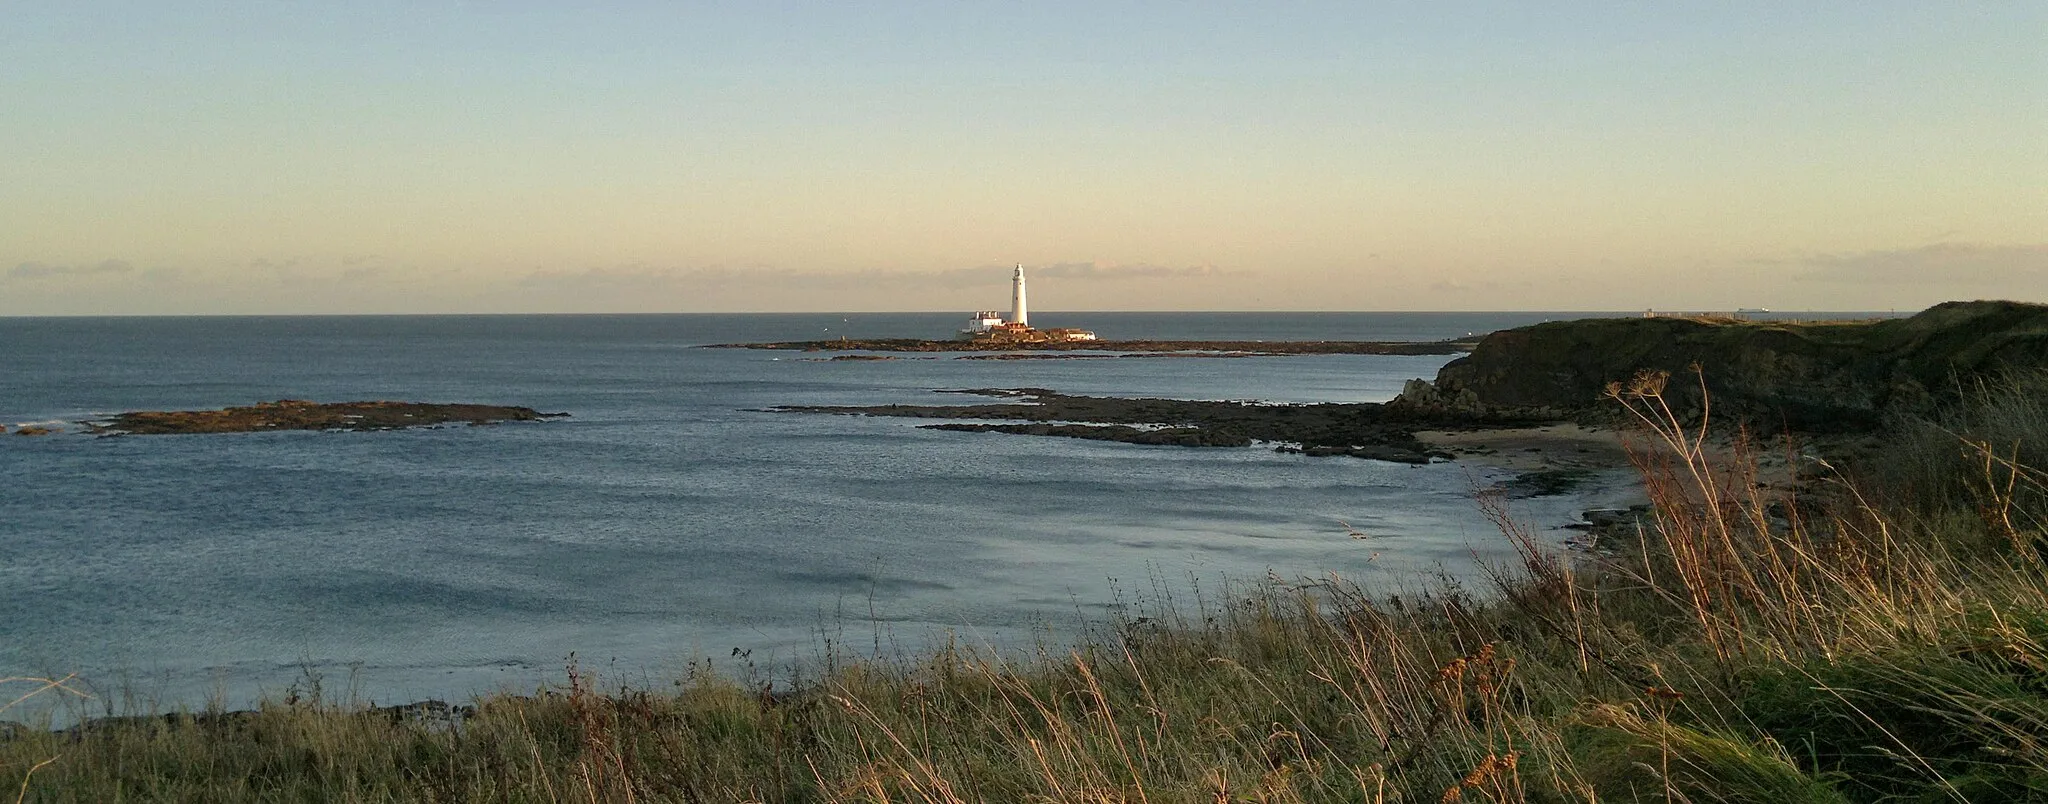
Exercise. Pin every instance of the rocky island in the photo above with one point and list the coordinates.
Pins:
(297, 414)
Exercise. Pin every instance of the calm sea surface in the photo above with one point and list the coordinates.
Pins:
(669, 518)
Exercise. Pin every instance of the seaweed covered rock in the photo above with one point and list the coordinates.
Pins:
(297, 414)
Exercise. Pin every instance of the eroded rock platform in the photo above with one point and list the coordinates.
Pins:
(1361, 429)
(299, 414)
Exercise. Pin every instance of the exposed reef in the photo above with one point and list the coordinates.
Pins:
(1811, 377)
(1362, 429)
(1123, 433)
(296, 414)
(1249, 347)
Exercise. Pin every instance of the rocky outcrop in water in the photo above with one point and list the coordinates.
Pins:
(296, 414)
(1362, 429)
(1122, 433)
(1818, 377)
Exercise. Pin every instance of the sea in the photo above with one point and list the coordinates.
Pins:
(672, 521)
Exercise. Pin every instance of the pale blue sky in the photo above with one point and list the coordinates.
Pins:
(484, 157)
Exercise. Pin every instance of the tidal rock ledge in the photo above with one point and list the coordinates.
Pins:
(1361, 430)
(299, 414)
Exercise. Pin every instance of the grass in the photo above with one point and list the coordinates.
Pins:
(1874, 636)
(23, 688)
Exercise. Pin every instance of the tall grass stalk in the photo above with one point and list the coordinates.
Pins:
(35, 686)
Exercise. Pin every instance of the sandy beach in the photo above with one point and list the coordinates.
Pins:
(1533, 449)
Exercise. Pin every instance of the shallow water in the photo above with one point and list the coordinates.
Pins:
(669, 517)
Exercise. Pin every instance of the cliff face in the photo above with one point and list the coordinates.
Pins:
(1821, 377)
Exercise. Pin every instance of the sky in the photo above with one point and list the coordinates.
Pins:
(511, 157)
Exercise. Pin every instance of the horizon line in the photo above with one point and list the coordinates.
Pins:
(1635, 311)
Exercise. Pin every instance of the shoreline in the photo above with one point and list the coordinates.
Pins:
(1573, 482)
(1582, 473)
(1559, 446)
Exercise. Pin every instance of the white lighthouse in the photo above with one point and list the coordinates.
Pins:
(988, 325)
(1018, 315)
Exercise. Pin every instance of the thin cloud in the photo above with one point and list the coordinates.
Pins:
(624, 276)
(292, 273)
(359, 271)
(542, 278)
(884, 278)
(1950, 263)
(1111, 270)
(1455, 286)
(39, 270)
(639, 275)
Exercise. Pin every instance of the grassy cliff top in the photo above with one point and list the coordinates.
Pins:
(1823, 375)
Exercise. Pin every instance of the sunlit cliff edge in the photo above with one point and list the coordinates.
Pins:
(1824, 376)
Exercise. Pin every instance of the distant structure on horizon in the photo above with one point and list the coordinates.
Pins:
(988, 325)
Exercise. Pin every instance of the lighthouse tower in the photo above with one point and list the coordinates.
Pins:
(1018, 315)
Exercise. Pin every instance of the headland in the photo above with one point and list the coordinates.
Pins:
(1823, 377)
